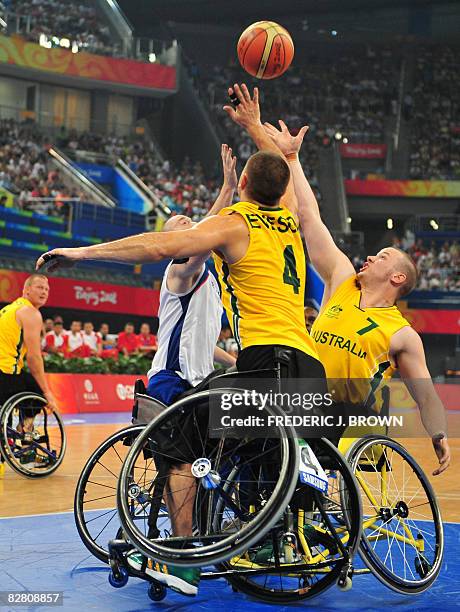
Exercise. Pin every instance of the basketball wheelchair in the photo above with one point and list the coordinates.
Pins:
(35, 451)
(243, 529)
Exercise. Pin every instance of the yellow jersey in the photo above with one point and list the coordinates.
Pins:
(353, 343)
(12, 348)
(263, 292)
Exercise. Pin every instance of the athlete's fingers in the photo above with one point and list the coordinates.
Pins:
(238, 93)
(303, 130)
(230, 111)
(245, 92)
(283, 126)
(271, 130)
(442, 468)
(256, 96)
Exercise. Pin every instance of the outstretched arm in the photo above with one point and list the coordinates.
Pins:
(226, 234)
(332, 265)
(182, 275)
(247, 115)
(406, 349)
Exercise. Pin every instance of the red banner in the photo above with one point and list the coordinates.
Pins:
(403, 189)
(15, 50)
(82, 295)
(364, 151)
(433, 321)
(76, 393)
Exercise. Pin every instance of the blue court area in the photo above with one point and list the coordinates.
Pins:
(44, 553)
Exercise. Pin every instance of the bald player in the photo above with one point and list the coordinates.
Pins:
(20, 327)
(360, 334)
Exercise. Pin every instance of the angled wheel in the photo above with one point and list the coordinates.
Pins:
(403, 541)
(95, 508)
(312, 547)
(265, 471)
(35, 451)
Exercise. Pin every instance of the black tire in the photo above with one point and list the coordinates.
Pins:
(270, 586)
(91, 538)
(218, 546)
(389, 454)
(49, 441)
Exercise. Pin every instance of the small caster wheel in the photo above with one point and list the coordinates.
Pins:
(157, 592)
(120, 578)
(422, 566)
(345, 583)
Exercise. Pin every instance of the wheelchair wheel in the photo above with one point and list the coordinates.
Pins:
(264, 475)
(95, 507)
(403, 541)
(312, 546)
(35, 453)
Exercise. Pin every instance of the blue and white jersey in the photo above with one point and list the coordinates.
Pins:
(189, 328)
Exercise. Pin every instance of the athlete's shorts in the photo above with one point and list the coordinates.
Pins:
(293, 363)
(10, 384)
(166, 386)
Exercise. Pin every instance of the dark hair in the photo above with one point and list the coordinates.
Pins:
(268, 177)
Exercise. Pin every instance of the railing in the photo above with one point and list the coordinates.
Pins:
(61, 127)
(142, 187)
(141, 49)
(113, 216)
(100, 195)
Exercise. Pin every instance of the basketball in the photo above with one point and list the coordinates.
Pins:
(265, 50)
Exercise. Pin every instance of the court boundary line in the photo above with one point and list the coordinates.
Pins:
(3, 518)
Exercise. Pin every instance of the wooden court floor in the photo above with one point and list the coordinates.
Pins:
(22, 496)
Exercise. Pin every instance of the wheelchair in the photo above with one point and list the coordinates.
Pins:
(242, 524)
(35, 453)
(308, 545)
(402, 542)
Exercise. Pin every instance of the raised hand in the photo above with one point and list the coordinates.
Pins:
(283, 139)
(247, 111)
(229, 167)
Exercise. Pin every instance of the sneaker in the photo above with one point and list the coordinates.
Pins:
(28, 457)
(183, 580)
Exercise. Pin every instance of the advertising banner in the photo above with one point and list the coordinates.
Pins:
(79, 393)
(83, 295)
(363, 151)
(83, 393)
(17, 51)
(403, 189)
(433, 321)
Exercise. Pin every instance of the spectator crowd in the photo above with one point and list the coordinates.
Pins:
(24, 170)
(435, 130)
(77, 22)
(81, 340)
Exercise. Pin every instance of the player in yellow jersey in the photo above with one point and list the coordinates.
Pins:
(258, 253)
(20, 327)
(360, 333)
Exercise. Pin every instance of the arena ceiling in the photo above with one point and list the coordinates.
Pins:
(201, 11)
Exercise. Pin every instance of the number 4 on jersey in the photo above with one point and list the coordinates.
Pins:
(290, 271)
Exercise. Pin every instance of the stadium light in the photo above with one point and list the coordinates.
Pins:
(338, 136)
(389, 223)
(345, 141)
(152, 57)
(433, 224)
(348, 219)
(334, 32)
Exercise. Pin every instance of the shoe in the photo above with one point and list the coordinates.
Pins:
(183, 580)
(41, 461)
(28, 457)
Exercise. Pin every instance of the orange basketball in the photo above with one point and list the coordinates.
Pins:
(265, 50)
